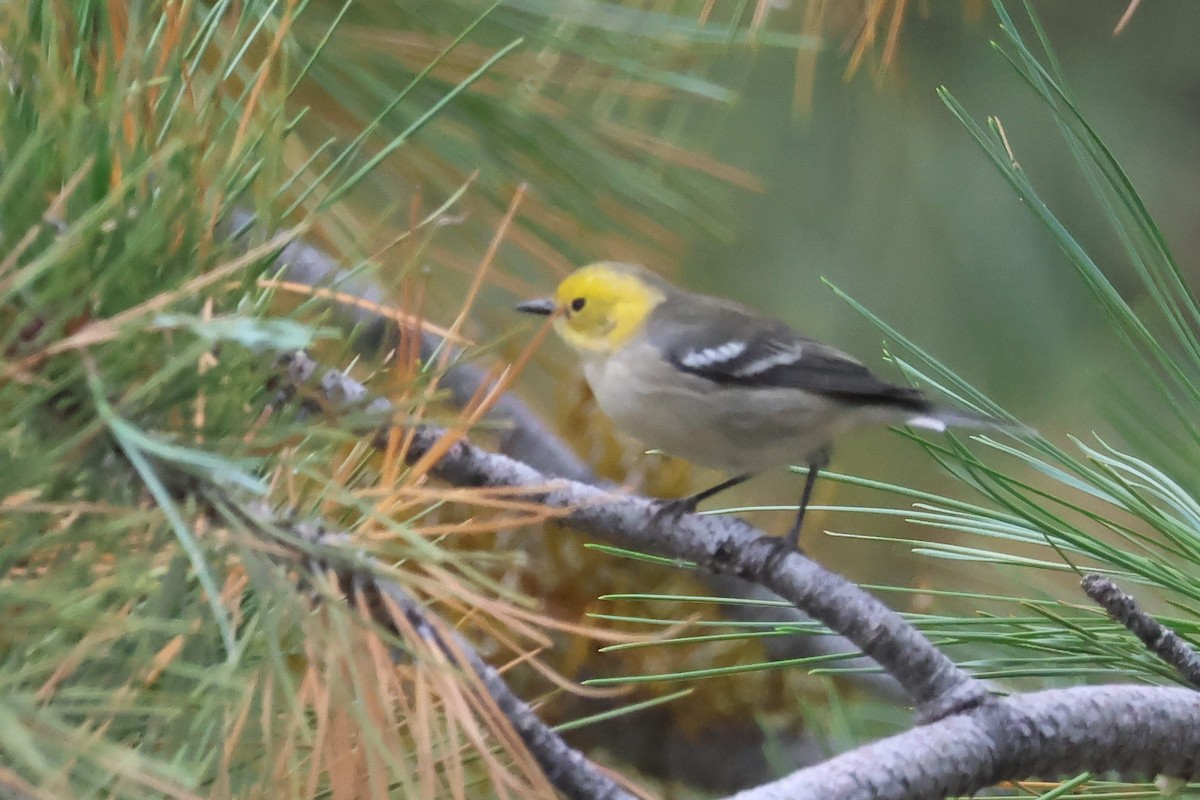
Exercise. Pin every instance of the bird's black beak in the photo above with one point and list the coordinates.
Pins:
(543, 307)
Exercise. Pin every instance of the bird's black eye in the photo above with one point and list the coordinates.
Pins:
(578, 303)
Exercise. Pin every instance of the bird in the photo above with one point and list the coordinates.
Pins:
(716, 383)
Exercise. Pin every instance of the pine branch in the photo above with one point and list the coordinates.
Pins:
(970, 740)
(721, 544)
(1158, 638)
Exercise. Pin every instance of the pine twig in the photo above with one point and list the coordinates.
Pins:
(1158, 638)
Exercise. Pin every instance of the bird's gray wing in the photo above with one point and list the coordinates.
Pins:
(729, 345)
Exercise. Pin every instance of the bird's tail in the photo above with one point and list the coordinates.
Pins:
(938, 419)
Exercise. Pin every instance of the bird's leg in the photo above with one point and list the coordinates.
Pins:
(687, 505)
(729, 483)
(816, 462)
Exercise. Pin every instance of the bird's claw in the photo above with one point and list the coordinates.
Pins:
(672, 510)
(779, 549)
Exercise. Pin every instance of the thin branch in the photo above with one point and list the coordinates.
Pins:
(723, 544)
(729, 545)
(1159, 639)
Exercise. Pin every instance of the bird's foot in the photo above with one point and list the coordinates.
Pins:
(669, 511)
(779, 549)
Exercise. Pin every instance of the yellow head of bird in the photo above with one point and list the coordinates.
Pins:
(597, 308)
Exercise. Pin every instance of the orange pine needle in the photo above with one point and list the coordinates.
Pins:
(344, 298)
(1127, 16)
(760, 14)
(456, 433)
(485, 264)
(694, 160)
(892, 43)
(233, 734)
(163, 659)
(264, 72)
(94, 638)
(865, 37)
(320, 699)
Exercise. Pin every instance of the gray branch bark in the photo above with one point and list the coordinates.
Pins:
(728, 545)
(1158, 638)
(1128, 730)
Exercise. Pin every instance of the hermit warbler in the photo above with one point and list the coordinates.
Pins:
(713, 382)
